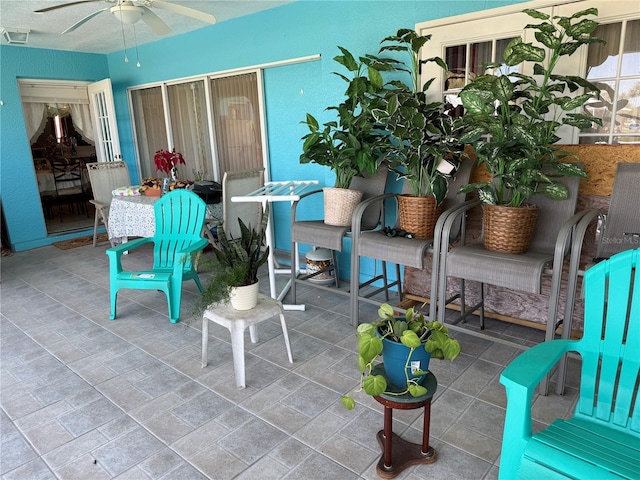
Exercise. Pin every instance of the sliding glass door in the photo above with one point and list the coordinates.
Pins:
(216, 123)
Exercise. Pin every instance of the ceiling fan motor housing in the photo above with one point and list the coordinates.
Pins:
(127, 14)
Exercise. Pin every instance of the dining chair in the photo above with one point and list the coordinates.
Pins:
(71, 189)
(321, 235)
(399, 250)
(105, 177)
(179, 219)
(239, 182)
(601, 438)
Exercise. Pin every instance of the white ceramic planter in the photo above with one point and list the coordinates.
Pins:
(246, 297)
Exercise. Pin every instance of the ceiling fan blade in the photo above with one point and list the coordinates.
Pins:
(154, 22)
(63, 5)
(84, 20)
(189, 12)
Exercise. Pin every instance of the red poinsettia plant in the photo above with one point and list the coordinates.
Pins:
(166, 161)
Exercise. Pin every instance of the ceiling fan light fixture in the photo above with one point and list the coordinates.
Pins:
(15, 36)
(128, 14)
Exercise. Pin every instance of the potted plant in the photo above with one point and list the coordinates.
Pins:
(401, 341)
(234, 275)
(166, 162)
(349, 144)
(422, 145)
(512, 119)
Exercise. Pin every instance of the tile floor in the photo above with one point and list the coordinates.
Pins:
(84, 397)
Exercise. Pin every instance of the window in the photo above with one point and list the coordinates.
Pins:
(615, 68)
(150, 127)
(215, 123)
(465, 62)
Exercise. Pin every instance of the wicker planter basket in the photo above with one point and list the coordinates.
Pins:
(509, 229)
(339, 204)
(418, 215)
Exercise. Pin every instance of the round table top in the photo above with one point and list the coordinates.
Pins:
(430, 383)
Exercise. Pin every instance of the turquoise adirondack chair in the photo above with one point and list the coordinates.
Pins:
(602, 440)
(179, 217)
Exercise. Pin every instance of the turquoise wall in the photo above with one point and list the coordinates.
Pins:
(295, 30)
(18, 185)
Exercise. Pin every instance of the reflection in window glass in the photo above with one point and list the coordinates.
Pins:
(237, 119)
(151, 130)
(187, 109)
(617, 73)
(463, 68)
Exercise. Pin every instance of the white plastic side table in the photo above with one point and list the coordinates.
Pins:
(237, 321)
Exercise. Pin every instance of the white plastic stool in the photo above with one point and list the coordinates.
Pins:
(237, 321)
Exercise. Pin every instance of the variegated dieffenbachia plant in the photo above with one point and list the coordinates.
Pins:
(512, 119)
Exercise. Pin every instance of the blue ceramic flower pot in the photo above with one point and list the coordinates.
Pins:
(394, 357)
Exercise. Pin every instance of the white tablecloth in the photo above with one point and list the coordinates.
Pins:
(133, 216)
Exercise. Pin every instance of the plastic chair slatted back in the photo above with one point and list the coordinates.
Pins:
(178, 225)
(609, 347)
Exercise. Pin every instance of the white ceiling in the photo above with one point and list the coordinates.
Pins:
(103, 33)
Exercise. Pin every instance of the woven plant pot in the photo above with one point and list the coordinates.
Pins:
(418, 215)
(509, 229)
(339, 204)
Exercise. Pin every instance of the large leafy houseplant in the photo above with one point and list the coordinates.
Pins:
(236, 262)
(422, 142)
(512, 119)
(415, 332)
(349, 144)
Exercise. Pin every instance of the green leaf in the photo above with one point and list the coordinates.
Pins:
(536, 14)
(473, 135)
(572, 103)
(523, 52)
(547, 39)
(369, 347)
(570, 169)
(472, 102)
(451, 350)
(348, 402)
(503, 88)
(417, 390)
(410, 339)
(556, 191)
(582, 28)
(385, 311)
(347, 60)
(375, 77)
(374, 384)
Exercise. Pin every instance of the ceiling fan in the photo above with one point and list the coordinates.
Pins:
(131, 11)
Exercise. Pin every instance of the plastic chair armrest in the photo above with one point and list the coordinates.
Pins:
(528, 368)
(178, 266)
(119, 250)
